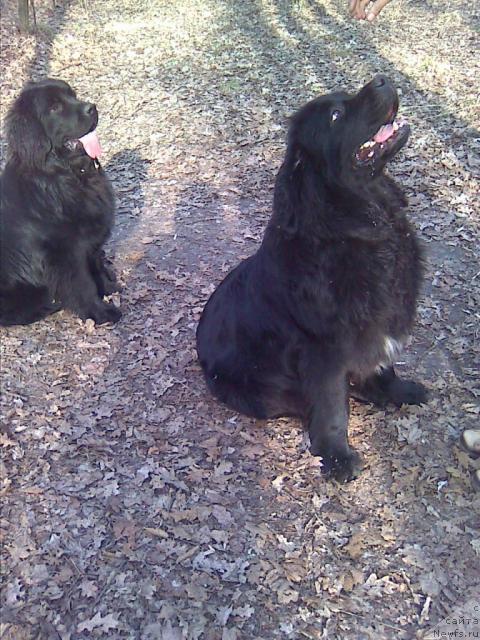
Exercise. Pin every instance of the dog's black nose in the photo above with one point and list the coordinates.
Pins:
(379, 81)
(90, 109)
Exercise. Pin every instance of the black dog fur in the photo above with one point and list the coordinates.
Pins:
(319, 311)
(57, 210)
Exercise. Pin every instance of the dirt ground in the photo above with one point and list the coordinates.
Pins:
(134, 505)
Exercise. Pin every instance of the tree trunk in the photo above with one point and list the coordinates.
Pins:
(23, 20)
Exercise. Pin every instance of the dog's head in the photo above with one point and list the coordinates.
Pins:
(350, 138)
(47, 117)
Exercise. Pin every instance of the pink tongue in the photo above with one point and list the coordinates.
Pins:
(91, 144)
(384, 133)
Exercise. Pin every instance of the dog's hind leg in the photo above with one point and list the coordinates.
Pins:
(25, 304)
(326, 421)
(385, 386)
(78, 292)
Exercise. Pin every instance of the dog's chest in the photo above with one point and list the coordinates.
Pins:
(89, 202)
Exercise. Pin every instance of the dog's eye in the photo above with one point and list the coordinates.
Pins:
(55, 107)
(335, 115)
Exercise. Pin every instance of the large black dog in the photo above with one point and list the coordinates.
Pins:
(57, 210)
(322, 308)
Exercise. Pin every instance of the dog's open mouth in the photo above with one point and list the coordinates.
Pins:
(89, 142)
(390, 137)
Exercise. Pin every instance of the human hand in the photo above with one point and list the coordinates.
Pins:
(365, 9)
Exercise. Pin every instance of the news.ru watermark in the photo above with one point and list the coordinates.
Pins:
(463, 624)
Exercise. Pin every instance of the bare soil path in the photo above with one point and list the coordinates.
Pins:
(134, 506)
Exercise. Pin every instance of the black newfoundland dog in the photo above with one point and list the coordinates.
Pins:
(322, 308)
(56, 212)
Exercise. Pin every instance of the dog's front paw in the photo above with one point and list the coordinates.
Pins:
(105, 312)
(342, 468)
(407, 392)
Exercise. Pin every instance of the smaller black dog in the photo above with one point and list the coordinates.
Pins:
(321, 309)
(57, 209)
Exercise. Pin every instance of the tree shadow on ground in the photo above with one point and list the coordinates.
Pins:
(45, 38)
(128, 172)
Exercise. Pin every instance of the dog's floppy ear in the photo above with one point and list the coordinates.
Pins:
(26, 137)
(286, 197)
(290, 221)
(286, 211)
